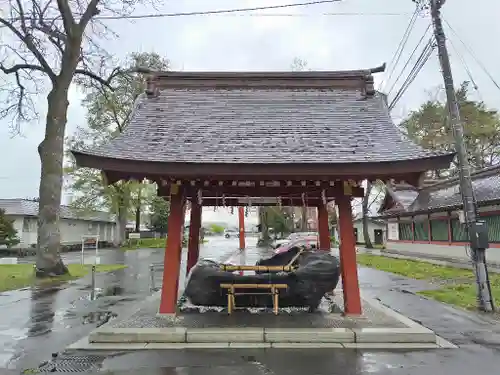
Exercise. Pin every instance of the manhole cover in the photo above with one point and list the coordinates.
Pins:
(77, 363)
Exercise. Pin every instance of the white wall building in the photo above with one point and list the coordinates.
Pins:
(376, 231)
(73, 226)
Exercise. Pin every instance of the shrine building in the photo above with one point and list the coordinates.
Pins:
(261, 138)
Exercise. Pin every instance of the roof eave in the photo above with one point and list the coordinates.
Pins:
(435, 209)
(411, 170)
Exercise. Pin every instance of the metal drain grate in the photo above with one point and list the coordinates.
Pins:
(76, 363)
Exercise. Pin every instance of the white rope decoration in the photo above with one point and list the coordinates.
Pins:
(200, 198)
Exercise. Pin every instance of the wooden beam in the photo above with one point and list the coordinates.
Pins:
(274, 192)
(234, 202)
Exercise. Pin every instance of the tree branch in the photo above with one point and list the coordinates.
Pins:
(104, 82)
(67, 16)
(16, 68)
(90, 12)
(114, 114)
(27, 39)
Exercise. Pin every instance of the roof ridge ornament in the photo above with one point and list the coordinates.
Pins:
(152, 90)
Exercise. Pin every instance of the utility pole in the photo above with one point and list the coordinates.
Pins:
(474, 229)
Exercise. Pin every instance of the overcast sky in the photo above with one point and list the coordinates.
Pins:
(365, 38)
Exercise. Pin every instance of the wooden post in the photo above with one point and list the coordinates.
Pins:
(412, 228)
(323, 231)
(450, 231)
(429, 227)
(241, 226)
(348, 264)
(172, 259)
(194, 236)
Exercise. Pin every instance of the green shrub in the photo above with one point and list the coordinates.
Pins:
(140, 243)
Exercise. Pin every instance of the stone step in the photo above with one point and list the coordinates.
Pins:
(262, 335)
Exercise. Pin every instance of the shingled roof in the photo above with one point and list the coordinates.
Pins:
(26, 207)
(398, 197)
(245, 119)
(445, 195)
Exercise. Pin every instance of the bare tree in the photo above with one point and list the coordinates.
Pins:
(46, 44)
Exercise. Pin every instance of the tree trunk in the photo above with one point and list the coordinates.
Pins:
(366, 232)
(51, 151)
(121, 225)
(264, 229)
(303, 219)
(138, 219)
(138, 211)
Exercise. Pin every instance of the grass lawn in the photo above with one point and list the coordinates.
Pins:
(17, 276)
(142, 243)
(149, 243)
(460, 288)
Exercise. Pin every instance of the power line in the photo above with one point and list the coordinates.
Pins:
(409, 58)
(331, 14)
(402, 43)
(221, 11)
(235, 14)
(473, 55)
(421, 61)
(195, 13)
(467, 70)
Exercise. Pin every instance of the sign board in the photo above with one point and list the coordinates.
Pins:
(134, 236)
(392, 231)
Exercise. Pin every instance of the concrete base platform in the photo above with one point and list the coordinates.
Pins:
(392, 331)
(85, 345)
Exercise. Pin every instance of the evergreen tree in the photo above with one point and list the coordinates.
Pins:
(8, 235)
(160, 210)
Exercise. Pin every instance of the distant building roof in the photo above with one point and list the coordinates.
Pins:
(446, 194)
(26, 207)
(195, 123)
(398, 197)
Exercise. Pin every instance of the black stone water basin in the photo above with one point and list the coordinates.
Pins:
(317, 274)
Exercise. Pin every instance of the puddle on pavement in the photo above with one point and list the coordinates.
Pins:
(371, 363)
(62, 313)
(99, 317)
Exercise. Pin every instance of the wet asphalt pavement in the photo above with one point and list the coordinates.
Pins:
(477, 336)
(37, 322)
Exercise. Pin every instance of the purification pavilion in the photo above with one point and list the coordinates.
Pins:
(260, 138)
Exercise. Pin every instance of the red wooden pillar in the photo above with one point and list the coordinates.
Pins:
(194, 236)
(348, 264)
(241, 226)
(323, 231)
(172, 259)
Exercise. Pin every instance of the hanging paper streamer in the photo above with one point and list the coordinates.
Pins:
(223, 200)
(246, 211)
(323, 197)
(303, 199)
(200, 198)
(232, 210)
(279, 202)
